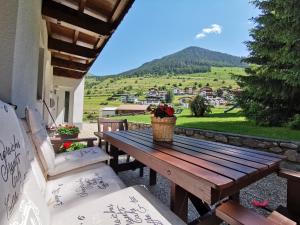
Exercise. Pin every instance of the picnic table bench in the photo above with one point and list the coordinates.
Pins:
(203, 171)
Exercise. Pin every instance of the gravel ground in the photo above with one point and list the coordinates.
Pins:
(271, 187)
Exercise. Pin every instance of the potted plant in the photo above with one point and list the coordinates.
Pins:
(68, 131)
(163, 123)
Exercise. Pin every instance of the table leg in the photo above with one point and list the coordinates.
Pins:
(293, 197)
(202, 207)
(100, 143)
(141, 171)
(179, 201)
(235, 197)
(114, 162)
(153, 176)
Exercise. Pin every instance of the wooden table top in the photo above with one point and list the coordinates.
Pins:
(209, 170)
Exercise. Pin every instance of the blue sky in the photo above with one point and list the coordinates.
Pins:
(155, 28)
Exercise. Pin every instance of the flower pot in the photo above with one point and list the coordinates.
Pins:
(163, 128)
(68, 136)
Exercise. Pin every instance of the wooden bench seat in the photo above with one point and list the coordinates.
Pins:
(235, 214)
(292, 209)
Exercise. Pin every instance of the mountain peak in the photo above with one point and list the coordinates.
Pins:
(189, 60)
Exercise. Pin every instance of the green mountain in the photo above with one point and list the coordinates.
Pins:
(187, 61)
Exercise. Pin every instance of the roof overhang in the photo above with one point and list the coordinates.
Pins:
(78, 31)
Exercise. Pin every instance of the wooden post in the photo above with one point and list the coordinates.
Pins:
(235, 197)
(293, 196)
(152, 176)
(179, 201)
(114, 162)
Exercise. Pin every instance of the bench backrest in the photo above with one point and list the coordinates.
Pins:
(20, 199)
(40, 138)
(111, 125)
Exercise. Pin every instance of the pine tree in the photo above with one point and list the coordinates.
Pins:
(271, 89)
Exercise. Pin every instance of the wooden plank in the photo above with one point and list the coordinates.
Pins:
(67, 73)
(69, 64)
(243, 149)
(70, 48)
(278, 218)
(224, 171)
(240, 154)
(233, 165)
(192, 178)
(233, 213)
(226, 145)
(290, 174)
(68, 15)
(224, 155)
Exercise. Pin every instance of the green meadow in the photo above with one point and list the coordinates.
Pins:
(232, 122)
(98, 93)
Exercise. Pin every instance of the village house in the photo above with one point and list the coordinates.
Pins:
(206, 91)
(126, 98)
(178, 91)
(155, 96)
(132, 109)
(108, 111)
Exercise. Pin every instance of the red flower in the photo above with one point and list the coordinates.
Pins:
(170, 111)
(67, 144)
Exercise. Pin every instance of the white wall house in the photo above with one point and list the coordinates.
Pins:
(46, 48)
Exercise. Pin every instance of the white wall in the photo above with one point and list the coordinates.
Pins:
(76, 89)
(8, 24)
(23, 36)
(19, 50)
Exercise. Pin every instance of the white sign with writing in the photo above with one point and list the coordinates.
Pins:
(13, 162)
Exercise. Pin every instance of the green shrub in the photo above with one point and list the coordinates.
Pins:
(295, 122)
(199, 106)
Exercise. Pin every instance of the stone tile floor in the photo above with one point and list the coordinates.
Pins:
(272, 187)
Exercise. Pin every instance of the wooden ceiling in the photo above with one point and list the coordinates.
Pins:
(78, 30)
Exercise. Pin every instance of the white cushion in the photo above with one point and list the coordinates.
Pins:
(34, 120)
(133, 205)
(78, 188)
(32, 207)
(13, 163)
(68, 161)
(44, 149)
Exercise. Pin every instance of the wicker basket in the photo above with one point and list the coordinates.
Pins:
(163, 128)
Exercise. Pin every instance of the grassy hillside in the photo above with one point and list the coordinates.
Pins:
(98, 89)
(218, 77)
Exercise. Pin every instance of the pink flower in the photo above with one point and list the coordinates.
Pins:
(260, 204)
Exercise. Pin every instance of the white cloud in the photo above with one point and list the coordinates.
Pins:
(213, 29)
(200, 35)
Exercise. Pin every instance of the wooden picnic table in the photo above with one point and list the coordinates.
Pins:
(203, 171)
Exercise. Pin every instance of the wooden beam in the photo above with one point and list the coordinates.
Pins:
(70, 48)
(69, 64)
(76, 18)
(67, 73)
(75, 38)
(81, 5)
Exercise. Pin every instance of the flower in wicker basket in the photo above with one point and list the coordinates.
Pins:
(163, 123)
